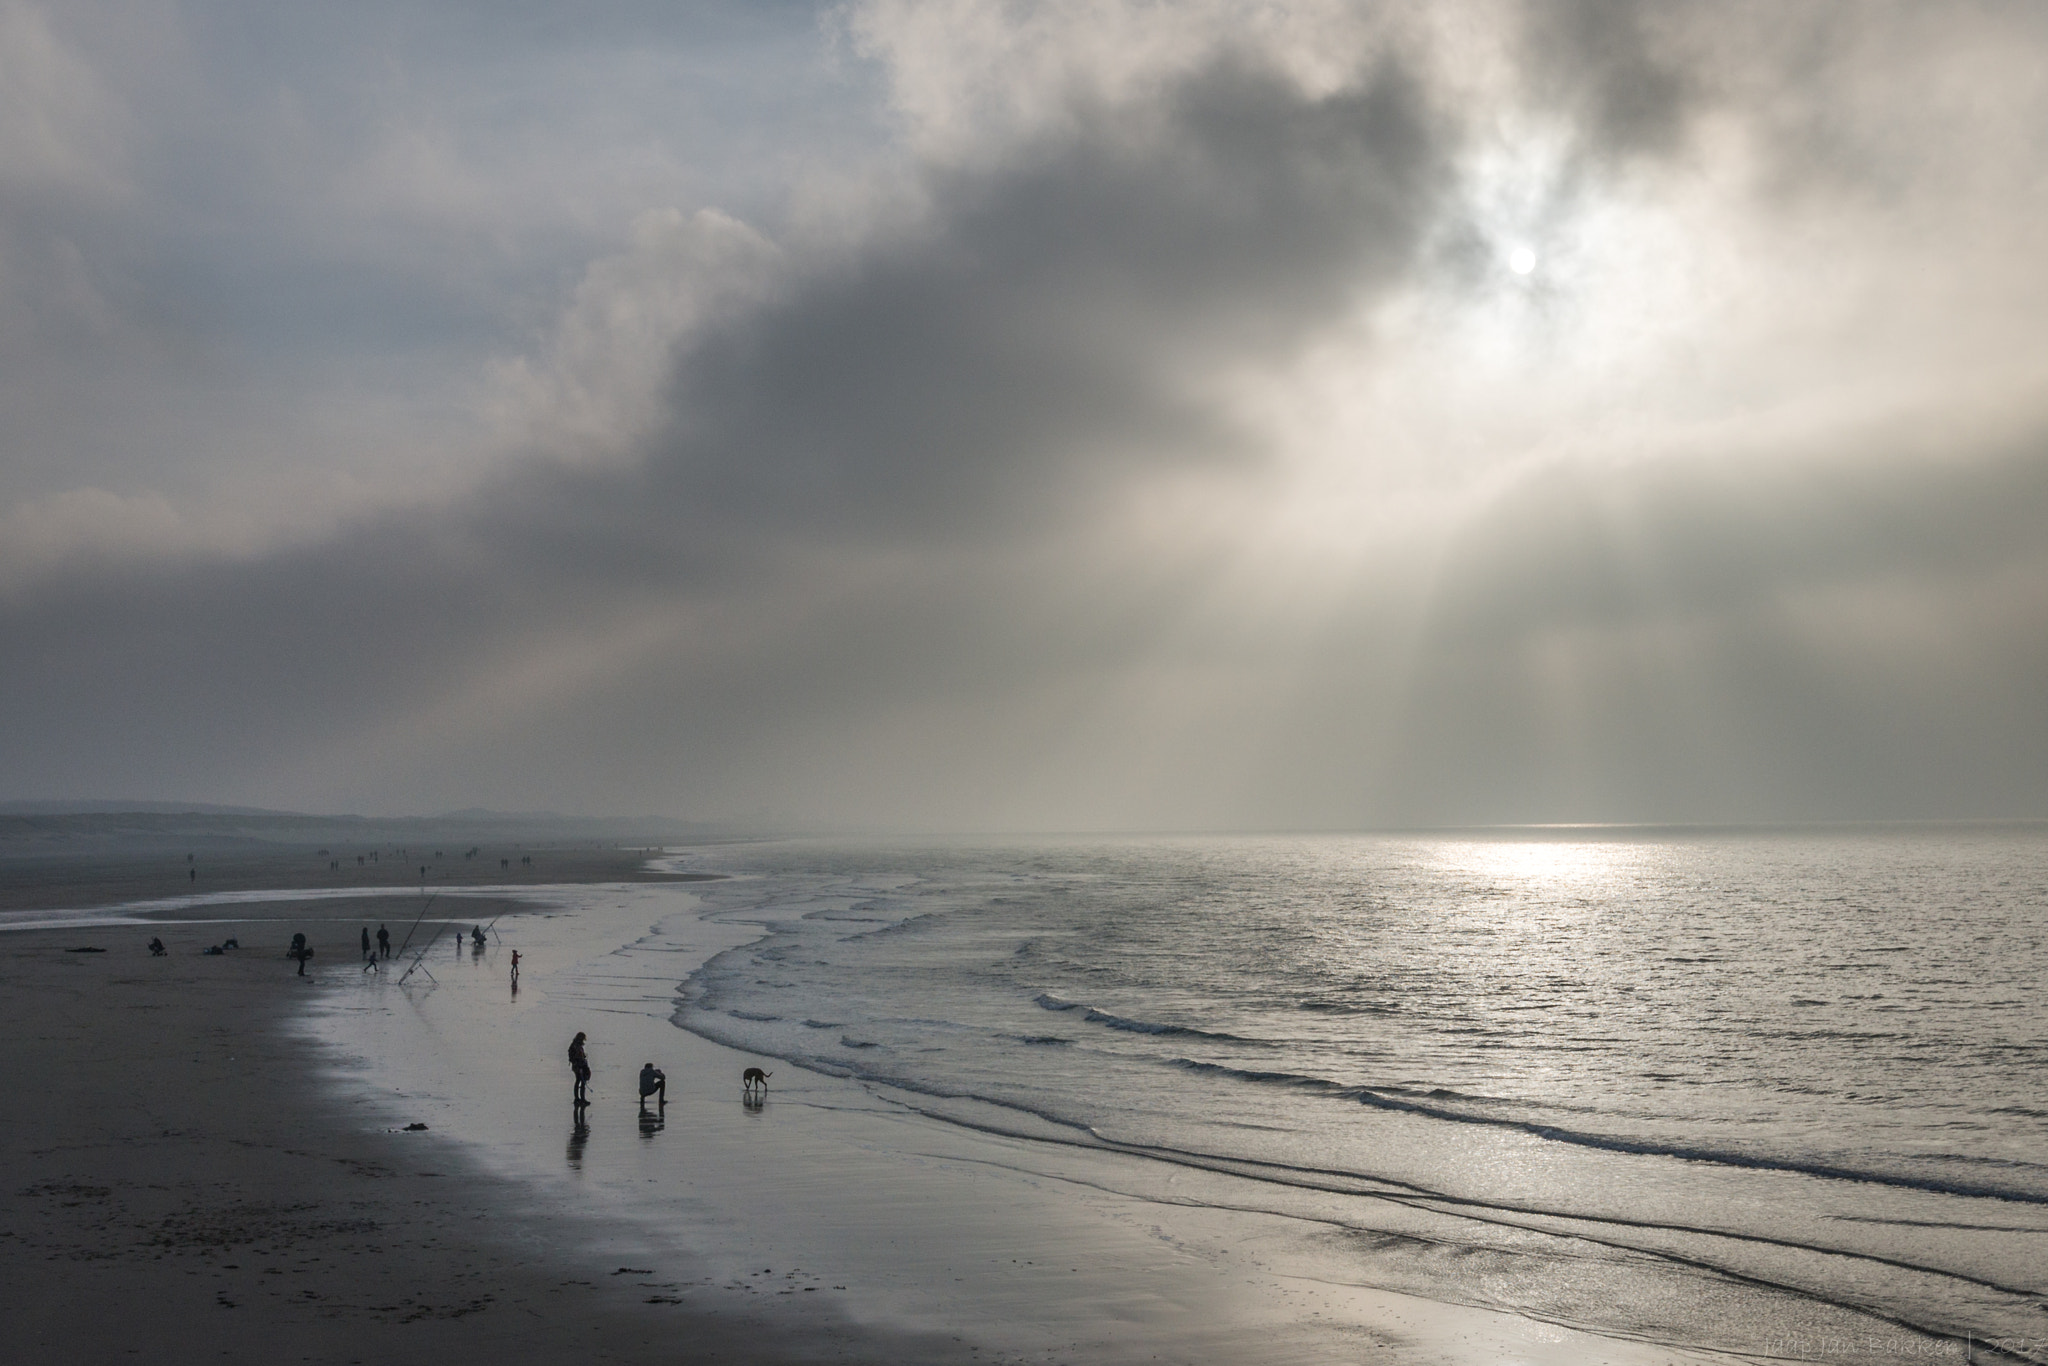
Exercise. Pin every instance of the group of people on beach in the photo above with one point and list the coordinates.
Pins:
(371, 957)
(653, 1081)
(300, 950)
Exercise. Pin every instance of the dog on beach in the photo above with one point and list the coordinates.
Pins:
(754, 1084)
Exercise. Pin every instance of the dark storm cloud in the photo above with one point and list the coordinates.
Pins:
(1052, 311)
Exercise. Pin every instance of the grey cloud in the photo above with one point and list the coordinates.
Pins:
(904, 547)
(944, 387)
(1864, 636)
(1616, 69)
(1592, 545)
(246, 246)
(1055, 310)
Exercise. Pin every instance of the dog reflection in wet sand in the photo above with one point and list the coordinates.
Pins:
(754, 1085)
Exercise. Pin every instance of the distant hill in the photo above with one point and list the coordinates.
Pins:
(102, 828)
(100, 804)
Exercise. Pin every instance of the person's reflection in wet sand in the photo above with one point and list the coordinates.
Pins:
(651, 1123)
(578, 1136)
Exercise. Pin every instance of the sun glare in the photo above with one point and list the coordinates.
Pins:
(1544, 863)
(1521, 260)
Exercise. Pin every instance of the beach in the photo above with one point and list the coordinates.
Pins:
(216, 1166)
(182, 1187)
(227, 1157)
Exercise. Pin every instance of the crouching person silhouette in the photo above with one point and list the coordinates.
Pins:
(653, 1082)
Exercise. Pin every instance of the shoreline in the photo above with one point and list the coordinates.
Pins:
(203, 1176)
(1006, 1247)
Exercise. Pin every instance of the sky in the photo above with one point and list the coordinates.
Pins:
(994, 415)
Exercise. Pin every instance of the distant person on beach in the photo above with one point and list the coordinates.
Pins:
(476, 935)
(383, 942)
(366, 941)
(580, 1065)
(299, 950)
(653, 1082)
(515, 967)
(157, 950)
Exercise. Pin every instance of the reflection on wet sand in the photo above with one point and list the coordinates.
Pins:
(578, 1136)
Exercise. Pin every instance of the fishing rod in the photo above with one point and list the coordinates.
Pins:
(419, 963)
(492, 928)
(416, 923)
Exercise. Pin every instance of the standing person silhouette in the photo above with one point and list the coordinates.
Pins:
(580, 1064)
(366, 941)
(383, 942)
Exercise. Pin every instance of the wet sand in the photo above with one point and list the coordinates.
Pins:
(210, 1162)
(181, 1187)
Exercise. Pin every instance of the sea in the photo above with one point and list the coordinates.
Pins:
(1725, 1088)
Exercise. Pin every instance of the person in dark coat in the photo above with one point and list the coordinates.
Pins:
(579, 1063)
(653, 1082)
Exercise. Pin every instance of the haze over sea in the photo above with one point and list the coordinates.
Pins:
(1695, 1087)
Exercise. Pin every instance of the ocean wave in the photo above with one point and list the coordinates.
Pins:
(1297, 1080)
(1416, 1101)
(755, 1016)
(1345, 1008)
(1129, 1026)
(1378, 1098)
(1045, 1000)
